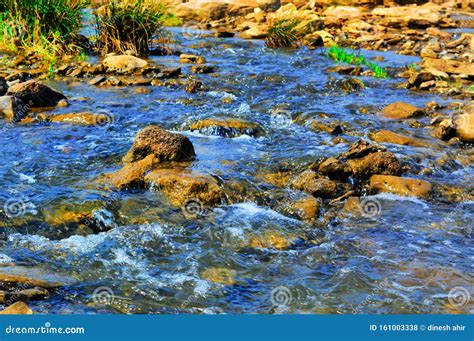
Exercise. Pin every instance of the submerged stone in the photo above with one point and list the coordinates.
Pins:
(227, 127)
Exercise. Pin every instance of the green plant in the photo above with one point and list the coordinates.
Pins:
(46, 27)
(413, 67)
(341, 55)
(130, 25)
(285, 33)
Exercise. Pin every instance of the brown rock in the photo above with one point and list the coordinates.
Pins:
(449, 66)
(132, 174)
(83, 118)
(18, 308)
(124, 64)
(311, 183)
(400, 186)
(180, 186)
(193, 85)
(12, 109)
(386, 136)
(163, 145)
(362, 148)
(270, 240)
(306, 209)
(279, 179)
(227, 127)
(255, 32)
(465, 127)
(16, 280)
(375, 163)
(203, 69)
(334, 168)
(35, 94)
(191, 58)
(433, 31)
(400, 110)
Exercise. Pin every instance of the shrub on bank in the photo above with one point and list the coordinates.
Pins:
(46, 27)
(130, 25)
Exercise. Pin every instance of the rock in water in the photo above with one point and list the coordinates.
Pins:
(184, 186)
(227, 127)
(18, 308)
(163, 145)
(465, 127)
(375, 163)
(13, 109)
(35, 94)
(124, 63)
(400, 186)
(132, 174)
(400, 110)
(311, 183)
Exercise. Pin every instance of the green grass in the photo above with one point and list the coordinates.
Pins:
(131, 25)
(285, 33)
(470, 88)
(342, 55)
(45, 27)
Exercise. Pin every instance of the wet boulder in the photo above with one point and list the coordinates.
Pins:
(386, 136)
(271, 239)
(401, 110)
(203, 69)
(124, 64)
(191, 58)
(335, 168)
(375, 163)
(35, 94)
(12, 108)
(465, 127)
(183, 187)
(400, 186)
(306, 209)
(227, 127)
(193, 86)
(362, 148)
(83, 118)
(310, 182)
(132, 174)
(18, 308)
(165, 146)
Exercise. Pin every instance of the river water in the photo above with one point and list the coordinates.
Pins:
(151, 257)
